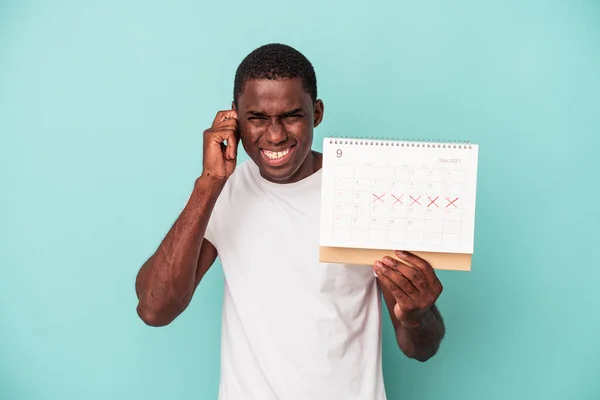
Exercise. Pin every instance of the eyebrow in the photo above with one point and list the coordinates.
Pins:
(285, 114)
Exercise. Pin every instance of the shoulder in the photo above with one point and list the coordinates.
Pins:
(228, 205)
(242, 175)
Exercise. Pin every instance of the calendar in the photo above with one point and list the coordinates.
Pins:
(398, 195)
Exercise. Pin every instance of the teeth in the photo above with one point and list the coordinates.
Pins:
(274, 155)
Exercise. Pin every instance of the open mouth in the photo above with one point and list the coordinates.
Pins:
(277, 158)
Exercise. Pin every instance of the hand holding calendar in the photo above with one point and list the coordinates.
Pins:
(383, 195)
(413, 284)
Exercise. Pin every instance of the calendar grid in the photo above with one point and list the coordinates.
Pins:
(404, 205)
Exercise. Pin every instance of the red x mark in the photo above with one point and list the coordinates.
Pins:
(398, 199)
(432, 201)
(415, 200)
(380, 198)
(451, 202)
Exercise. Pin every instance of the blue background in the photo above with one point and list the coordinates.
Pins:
(102, 108)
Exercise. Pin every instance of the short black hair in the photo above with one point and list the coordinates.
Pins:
(275, 61)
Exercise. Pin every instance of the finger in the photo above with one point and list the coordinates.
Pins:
(223, 116)
(416, 261)
(219, 137)
(232, 144)
(412, 273)
(229, 141)
(414, 276)
(398, 280)
(227, 123)
(398, 293)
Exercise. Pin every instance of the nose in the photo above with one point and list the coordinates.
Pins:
(276, 132)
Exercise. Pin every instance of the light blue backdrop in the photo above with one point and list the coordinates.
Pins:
(102, 108)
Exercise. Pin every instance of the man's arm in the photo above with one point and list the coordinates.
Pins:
(420, 341)
(167, 280)
(410, 289)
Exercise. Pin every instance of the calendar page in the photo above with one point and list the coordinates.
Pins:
(386, 194)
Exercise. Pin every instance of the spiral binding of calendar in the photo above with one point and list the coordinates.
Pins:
(446, 144)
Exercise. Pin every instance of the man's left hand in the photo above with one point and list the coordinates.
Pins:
(412, 282)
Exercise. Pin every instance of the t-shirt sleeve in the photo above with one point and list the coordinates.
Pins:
(210, 228)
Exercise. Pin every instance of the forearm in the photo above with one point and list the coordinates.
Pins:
(166, 282)
(421, 342)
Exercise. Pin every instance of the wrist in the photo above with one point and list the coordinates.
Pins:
(414, 320)
(206, 190)
(412, 324)
(210, 181)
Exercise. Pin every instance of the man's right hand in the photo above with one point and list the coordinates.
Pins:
(219, 160)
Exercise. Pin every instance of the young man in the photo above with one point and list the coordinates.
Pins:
(292, 328)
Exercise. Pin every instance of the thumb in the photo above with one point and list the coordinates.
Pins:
(232, 145)
(399, 313)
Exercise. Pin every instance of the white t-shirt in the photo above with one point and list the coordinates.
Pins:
(293, 328)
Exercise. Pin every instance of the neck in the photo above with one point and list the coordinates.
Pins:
(313, 163)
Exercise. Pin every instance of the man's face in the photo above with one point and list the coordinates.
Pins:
(276, 120)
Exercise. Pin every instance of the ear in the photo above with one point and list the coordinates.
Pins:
(319, 110)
